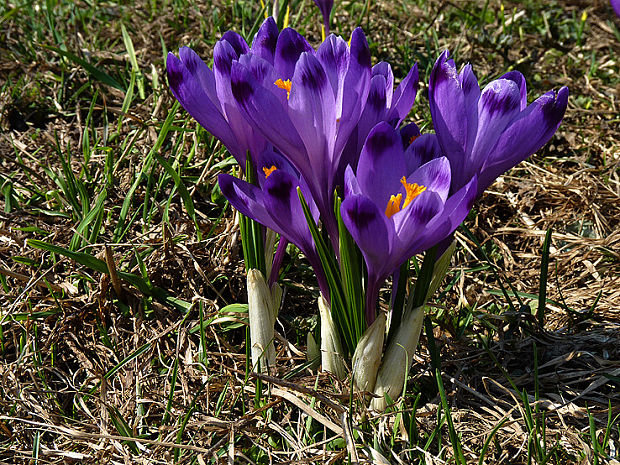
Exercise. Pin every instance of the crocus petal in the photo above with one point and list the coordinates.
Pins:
(435, 176)
(411, 224)
(409, 134)
(200, 71)
(447, 102)
(381, 164)
(498, 105)
(333, 54)
(188, 91)
(267, 160)
(351, 186)
(370, 229)
(247, 199)
(615, 4)
(422, 150)
(355, 88)
(529, 132)
(267, 114)
(384, 69)
(238, 43)
(265, 40)
(404, 96)
(519, 79)
(290, 46)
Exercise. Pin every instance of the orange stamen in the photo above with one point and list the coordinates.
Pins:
(286, 85)
(412, 138)
(268, 171)
(413, 190)
(393, 205)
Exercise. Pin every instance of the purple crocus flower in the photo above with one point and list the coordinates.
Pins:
(275, 204)
(207, 95)
(615, 4)
(394, 207)
(485, 133)
(326, 10)
(306, 105)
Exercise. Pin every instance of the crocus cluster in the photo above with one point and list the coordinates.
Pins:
(324, 132)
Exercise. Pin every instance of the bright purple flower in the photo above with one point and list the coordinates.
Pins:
(275, 204)
(485, 133)
(307, 104)
(394, 207)
(326, 10)
(615, 4)
(207, 95)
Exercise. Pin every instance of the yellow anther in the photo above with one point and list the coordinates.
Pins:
(268, 171)
(393, 205)
(286, 85)
(413, 190)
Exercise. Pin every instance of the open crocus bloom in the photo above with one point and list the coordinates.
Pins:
(207, 96)
(306, 104)
(485, 133)
(394, 207)
(275, 204)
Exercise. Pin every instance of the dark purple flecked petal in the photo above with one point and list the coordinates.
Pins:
(422, 150)
(434, 175)
(247, 199)
(528, 133)
(237, 42)
(355, 88)
(188, 91)
(290, 46)
(447, 104)
(518, 79)
(411, 225)
(333, 54)
(409, 134)
(499, 104)
(265, 40)
(200, 71)
(471, 94)
(313, 113)
(404, 96)
(381, 164)
(267, 160)
(267, 114)
(370, 229)
(384, 69)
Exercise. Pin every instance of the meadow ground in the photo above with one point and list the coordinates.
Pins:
(121, 337)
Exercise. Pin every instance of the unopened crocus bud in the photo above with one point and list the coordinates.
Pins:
(331, 349)
(263, 304)
(397, 359)
(367, 356)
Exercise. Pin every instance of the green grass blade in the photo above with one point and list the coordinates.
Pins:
(544, 270)
(93, 70)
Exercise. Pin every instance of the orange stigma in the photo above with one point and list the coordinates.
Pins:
(412, 138)
(268, 171)
(286, 85)
(413, 190)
